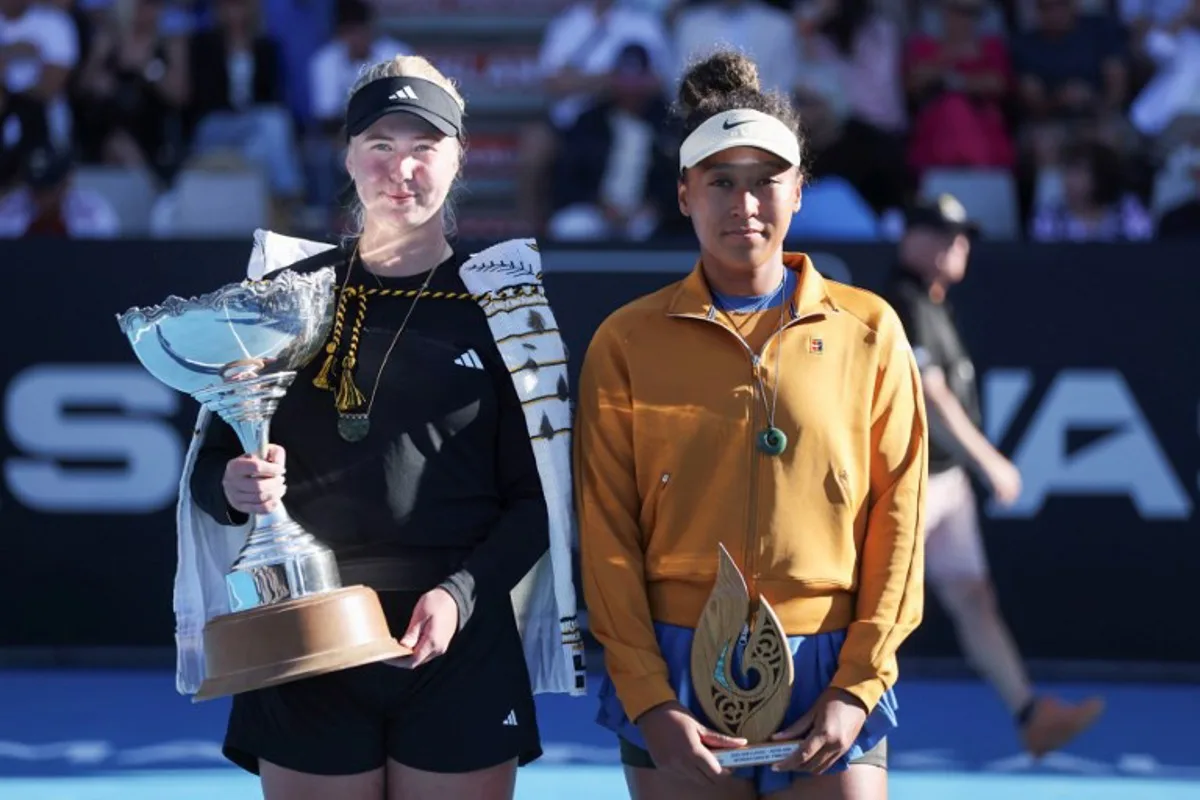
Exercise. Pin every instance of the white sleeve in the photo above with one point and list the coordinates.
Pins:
(58, 40)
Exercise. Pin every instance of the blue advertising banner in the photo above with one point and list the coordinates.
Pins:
(1085, 356)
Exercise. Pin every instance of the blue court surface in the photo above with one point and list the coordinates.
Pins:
(88, 735)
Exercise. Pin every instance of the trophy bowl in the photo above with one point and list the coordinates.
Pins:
(236, 351)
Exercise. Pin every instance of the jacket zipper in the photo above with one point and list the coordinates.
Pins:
(751, 537)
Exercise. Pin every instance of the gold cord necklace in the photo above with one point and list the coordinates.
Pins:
(354, 422)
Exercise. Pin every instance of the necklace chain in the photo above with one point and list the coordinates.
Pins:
(756, 361)
(395, 339)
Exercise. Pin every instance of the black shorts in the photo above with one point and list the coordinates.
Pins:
(469, 709)
(634, 756)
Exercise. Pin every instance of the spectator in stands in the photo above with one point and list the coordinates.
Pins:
(22, 130)
(760, 30)
(301, 28)
(46, 204)
(864, 47)
(237, 95)
(957, 83)
(1140, 18)
(39, 47)
(989, 21)
(1071, 76)
(818, 96)
(1177, 191)
(132, 91)
(1182, 219)
(576, 60)
(332, 72)
(615, 176)
(87, 16)
(1168, 108)
(833, 208)
(1095, 206)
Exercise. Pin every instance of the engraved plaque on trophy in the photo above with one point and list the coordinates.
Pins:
(755, 713)
(236, 351)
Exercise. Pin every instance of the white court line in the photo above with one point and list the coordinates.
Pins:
(602, 783)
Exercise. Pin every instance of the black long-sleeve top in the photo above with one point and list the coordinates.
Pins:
(446, 476)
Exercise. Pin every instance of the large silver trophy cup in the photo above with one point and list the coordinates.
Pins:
(236, 351)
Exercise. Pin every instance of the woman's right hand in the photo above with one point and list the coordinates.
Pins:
(253, 485)
(679, 744)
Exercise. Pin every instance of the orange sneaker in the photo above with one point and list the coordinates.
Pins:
(1053, 723)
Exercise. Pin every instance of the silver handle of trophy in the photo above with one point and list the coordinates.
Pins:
(280, 560)
(254, 435)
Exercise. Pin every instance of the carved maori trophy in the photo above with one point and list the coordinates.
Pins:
(757, 712)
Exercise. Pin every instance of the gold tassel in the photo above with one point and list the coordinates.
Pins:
(348, 395)
(322, 379)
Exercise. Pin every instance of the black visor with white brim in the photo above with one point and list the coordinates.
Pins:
(741, 127)
(421, 98)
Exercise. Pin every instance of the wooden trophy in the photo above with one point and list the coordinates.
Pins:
(757, 713)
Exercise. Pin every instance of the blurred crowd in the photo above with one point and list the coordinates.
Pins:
(1053, 120)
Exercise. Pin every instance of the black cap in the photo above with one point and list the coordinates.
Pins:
(943, 213)
(47, 167)
(416, 96)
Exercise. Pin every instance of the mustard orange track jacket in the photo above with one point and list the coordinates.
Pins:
(829, 532)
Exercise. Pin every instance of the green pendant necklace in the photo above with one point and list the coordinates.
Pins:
(770, 440)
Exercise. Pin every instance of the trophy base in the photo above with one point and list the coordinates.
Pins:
(276, 644)
(755, 755)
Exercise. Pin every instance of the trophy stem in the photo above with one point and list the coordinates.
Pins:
(280, 560)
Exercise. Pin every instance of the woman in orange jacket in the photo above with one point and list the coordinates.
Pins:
(752, 405)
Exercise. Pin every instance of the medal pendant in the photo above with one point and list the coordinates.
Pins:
(353, 427)
(772, 441)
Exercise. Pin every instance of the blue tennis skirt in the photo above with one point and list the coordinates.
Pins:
(815, 659)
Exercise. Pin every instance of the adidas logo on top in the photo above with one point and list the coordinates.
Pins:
(406, 93)
(469, 359)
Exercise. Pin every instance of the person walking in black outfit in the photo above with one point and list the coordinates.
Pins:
(933, 257)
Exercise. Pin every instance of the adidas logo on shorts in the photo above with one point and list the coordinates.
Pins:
(511, 719)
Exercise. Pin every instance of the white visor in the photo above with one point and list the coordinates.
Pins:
(741, 127)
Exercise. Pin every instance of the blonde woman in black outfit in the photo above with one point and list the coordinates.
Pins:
(405, 448)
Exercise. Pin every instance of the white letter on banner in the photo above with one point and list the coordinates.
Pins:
(138, 433)
(1129, 460)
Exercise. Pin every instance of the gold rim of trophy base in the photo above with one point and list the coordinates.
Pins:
(276, 644)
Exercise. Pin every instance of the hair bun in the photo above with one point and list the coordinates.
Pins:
(722, 73)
